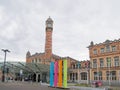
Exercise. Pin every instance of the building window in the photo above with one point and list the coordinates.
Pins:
(107, 75)
(79, 65)
(39, 60)
(108, 61)
(32, 61)
(73, 66)
(95, 51)
(73, 77)
(111, 75)
(70, 76)
(94, 63)
(107, 48)
(83, 76)
(113, 48)
(101, 62)
(76, 76)
(35, 60)
(95, 75)
(102, 50)
(76, 66)
(100, 75)
(116, 61)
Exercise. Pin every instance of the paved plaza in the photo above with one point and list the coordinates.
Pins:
(25, 86)
(37, 86)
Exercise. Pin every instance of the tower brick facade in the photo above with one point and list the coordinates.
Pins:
(48, 41)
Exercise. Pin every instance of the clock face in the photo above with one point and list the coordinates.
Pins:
(49, 25)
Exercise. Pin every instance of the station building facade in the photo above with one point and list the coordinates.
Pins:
(79, 72)
(105, 61)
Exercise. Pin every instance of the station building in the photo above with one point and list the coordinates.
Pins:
(79, 72)
(47, 56)
(105, 61)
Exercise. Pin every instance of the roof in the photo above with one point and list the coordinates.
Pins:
(56, 56)
(106, 42)
(26, 67)
(49, 19)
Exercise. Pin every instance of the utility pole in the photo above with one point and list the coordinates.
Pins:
(3, 75)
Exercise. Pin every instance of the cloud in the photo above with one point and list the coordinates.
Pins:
(76, 23)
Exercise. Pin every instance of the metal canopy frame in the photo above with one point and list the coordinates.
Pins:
(26, 67)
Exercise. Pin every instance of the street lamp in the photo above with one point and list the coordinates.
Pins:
(3, 75)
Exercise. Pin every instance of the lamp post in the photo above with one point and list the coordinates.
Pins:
(3, 75)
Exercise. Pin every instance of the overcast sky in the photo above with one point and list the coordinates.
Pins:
(76, 24)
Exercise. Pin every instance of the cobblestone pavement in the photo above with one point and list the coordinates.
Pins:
(25, 86)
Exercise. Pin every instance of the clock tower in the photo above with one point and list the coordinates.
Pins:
(48, 41)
